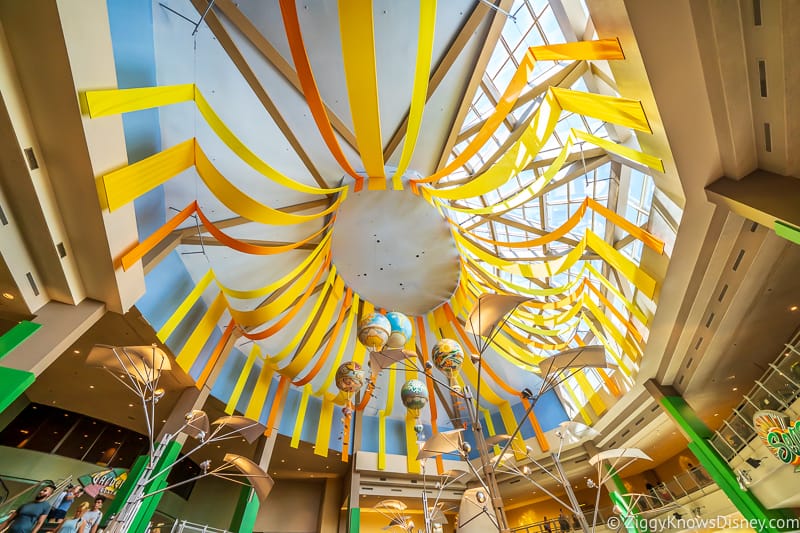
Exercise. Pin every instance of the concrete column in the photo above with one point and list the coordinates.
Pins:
(764, 197)
(699, 435)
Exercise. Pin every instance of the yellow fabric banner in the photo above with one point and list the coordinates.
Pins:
(621, 111)
(233, 400)
(600, 49)
(358, 53)
(258, 398)
(124, 185)
(301, 417)
(201, 333)
(324, 428)
(348, 327)
(180, 312)
(419, 93)
(116, 101)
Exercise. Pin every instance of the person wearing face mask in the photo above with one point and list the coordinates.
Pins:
(30, 516)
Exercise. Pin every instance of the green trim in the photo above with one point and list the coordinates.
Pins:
(354, 523)
(125, 490)
(16, 336)
(719, 470)
(629, 517)
(787, 231)
(149, 505)
(13, 383)
(244, 517)
(624, 502)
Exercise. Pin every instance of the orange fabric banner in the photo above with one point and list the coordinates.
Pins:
(297, 48)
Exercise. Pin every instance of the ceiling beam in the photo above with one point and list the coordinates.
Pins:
(498, 20)
(555, 79)
(224, 38)
(198, 240)
(271, 54)
(442, 68)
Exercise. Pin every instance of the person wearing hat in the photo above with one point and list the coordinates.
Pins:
(30, 516)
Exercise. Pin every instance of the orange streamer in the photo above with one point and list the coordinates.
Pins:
(212, 361)
(277, 326)
(609, 49)
(310, 88)
(348, 297)
(423, 345)
(277, 404)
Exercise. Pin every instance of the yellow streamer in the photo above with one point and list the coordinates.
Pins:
(187, 303)
(622, 111)
(358, 53)
(259, 397)
(230, 407)
(124, 185)
(324, 429)
(290, 346)
(301, 417)
(309, 348)
(342, 347)
(201, 333)
(419, 94)
(116, 101)
(593, 398)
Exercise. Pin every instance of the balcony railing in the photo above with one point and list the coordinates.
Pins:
(778, 390)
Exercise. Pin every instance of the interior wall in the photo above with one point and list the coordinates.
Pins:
(11, 412)
(292, 507)
(212, 502)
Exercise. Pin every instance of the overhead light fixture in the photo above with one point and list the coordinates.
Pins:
(76, 351)
(735, 389)
(792, 308)
(8, 296)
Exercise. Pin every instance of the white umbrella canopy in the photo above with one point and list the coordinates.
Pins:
(260, 480)
(490, 310)
(616, 454)
(593, 356)
(246, 427)
(444, 442)
(197, 425)
(142, 363)
(573, 432)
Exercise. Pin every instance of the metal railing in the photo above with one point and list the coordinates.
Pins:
(666, 497)
(182, 525)
(28, 494)
(778, 389)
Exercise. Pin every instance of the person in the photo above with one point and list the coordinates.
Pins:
(563, 523)
(73, 524)
(576, 523)
(546, 526)
(30, 516)
(63, 502)
(91, 520)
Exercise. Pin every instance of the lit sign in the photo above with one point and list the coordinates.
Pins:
(104, 483)
(780, 437)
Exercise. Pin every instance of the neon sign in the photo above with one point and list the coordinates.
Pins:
(781, 438)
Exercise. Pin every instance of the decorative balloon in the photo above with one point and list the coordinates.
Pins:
(349, 379)
(401, 330)
(414, 395)
(373, 331)
(448, 357)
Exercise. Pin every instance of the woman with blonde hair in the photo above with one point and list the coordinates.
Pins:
(72, 525)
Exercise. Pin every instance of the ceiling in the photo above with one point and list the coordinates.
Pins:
(726, 287)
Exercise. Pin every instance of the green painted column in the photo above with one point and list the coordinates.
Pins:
(699, 436)
(630, 514)
(149, 505)
(14, 382)
(787, 231)
(354, 520)
(244, 517)
(125, 490)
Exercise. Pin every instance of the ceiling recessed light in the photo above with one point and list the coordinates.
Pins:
(716, 414)
(735, 389)
(298, 468)
(219, 446)
(792, 308)
(76, 351)
(91, 386)
(8, 296)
